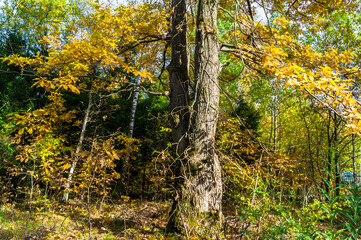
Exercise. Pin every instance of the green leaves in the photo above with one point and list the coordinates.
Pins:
(352, 212)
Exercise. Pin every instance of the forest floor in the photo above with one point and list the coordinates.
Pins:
(127, 219)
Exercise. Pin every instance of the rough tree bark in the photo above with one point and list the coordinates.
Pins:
(198, 210)
(205, 183)
(179, 100)
(178, 78)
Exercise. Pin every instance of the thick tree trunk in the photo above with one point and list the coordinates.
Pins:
(204, 185)
(207, 181)
(179, 79)
(198, 210)
(179, 105)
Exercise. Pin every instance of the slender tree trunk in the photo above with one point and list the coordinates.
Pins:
(309, 144)
(354, 180)
(275, 119)
(78, 148)
(134, 107)
(126, 165)
(329, 155)
(275, 134)
(270, 139)
(337, 153)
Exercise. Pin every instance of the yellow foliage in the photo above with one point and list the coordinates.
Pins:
(103, 42)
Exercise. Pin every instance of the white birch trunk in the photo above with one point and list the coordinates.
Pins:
(78, 149)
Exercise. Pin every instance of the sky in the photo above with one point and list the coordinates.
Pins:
(260, 13)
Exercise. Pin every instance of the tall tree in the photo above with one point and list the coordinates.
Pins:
(206, 182)
(179, 97)
(202, 188)
(179, 79)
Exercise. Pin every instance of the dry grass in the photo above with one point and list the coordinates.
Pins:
(51, 220)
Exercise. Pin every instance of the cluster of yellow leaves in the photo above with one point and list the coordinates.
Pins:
(98, 164)
(159, 171)
(280, 21)
(39, 142)
(99, 55)
(97, 170)
(101, 43)
(232, 141)
(324, 77)
(130, 146)
(249, 166)
(327, 76)
(326, 73)
(38, 123)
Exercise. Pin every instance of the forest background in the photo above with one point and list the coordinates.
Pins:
(180, 119)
